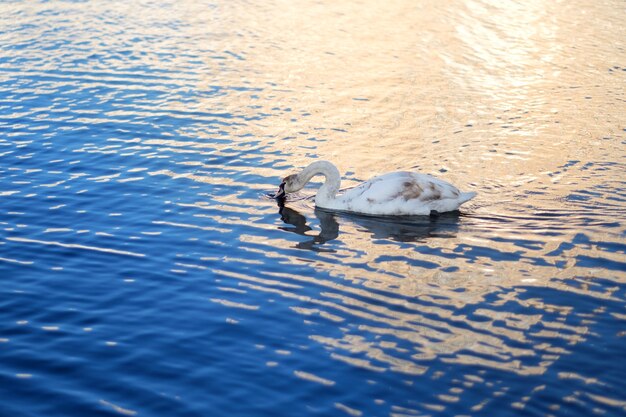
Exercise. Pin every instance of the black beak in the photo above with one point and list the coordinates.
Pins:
(280, 194)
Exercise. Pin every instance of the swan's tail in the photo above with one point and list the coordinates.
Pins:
(463, 197)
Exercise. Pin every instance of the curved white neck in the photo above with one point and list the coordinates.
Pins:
(331, 185)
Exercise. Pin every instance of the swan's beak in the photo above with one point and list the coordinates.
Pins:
(281, 191)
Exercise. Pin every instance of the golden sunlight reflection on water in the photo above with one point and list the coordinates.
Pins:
(449, 84)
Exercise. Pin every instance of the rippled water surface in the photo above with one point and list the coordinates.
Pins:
(146, 272)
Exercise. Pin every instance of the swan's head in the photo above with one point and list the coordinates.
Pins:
(290, 184)
(280, 194)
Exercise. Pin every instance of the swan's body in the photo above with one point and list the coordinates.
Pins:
(396, 193)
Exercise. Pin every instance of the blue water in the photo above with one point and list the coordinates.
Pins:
(146, 272)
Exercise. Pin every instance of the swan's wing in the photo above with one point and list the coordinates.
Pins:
(405, 186)
(402, 192)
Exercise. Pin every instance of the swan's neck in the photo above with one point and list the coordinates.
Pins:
(328, 190)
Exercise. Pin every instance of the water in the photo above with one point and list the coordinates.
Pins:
(146, 272)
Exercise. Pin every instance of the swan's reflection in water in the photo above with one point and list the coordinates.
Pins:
(397, 228)
(328, 224)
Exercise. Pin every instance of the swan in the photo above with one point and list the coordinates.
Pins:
(393, 194)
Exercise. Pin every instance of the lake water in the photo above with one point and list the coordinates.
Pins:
(146, 272)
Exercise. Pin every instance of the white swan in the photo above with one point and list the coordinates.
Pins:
(395, 193)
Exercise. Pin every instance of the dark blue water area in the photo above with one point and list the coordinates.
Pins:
(158, 345)
(145, 271)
